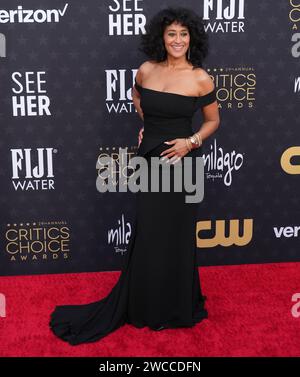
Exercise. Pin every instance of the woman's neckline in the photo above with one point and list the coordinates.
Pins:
(174, 94)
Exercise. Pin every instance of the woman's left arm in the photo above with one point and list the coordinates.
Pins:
(210, 113)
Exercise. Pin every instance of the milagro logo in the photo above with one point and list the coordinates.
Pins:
(21, 15)
(2, 305)
(32, 169)
(118, 90)
(221, 165)
(229, 16)
(120, 235)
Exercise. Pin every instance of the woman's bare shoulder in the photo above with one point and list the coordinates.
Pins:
(204, 80)
(148, 64)
(144, 69)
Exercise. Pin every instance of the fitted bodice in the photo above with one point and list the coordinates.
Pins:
(168, 115)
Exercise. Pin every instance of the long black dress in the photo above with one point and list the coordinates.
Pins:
(159, 284)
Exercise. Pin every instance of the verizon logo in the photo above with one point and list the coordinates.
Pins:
(29, 15)
(287, 231)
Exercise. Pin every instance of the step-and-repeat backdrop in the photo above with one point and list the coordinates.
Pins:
(66, 72)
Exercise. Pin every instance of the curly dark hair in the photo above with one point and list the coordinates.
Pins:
(152, 43)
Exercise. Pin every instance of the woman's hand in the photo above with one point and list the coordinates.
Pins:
(176, 152)
(140, 138)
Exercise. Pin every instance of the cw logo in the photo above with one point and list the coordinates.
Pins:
(2, 305)
(285, 160)
(220, 238)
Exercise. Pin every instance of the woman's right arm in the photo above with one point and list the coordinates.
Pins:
(136, 97)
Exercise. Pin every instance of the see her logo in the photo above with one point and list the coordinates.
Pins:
(2, 305)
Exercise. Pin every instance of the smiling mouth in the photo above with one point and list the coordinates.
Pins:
(177, 47)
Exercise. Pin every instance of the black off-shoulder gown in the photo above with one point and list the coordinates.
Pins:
(159, 285)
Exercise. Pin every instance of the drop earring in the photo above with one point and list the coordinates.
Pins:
(189, 54)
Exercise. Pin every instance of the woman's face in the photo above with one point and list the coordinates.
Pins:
(177, 39)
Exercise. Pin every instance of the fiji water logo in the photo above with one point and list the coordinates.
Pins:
(119, 83)
(32, 169)
(224, 16)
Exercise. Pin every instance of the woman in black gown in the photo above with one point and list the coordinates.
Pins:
(159, 284)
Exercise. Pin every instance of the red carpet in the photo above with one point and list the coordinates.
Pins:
(249, 310)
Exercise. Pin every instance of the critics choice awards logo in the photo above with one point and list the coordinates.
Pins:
(37, 241)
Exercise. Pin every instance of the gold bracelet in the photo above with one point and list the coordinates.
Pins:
(188, 146)
(195, 140)
(198, 136)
